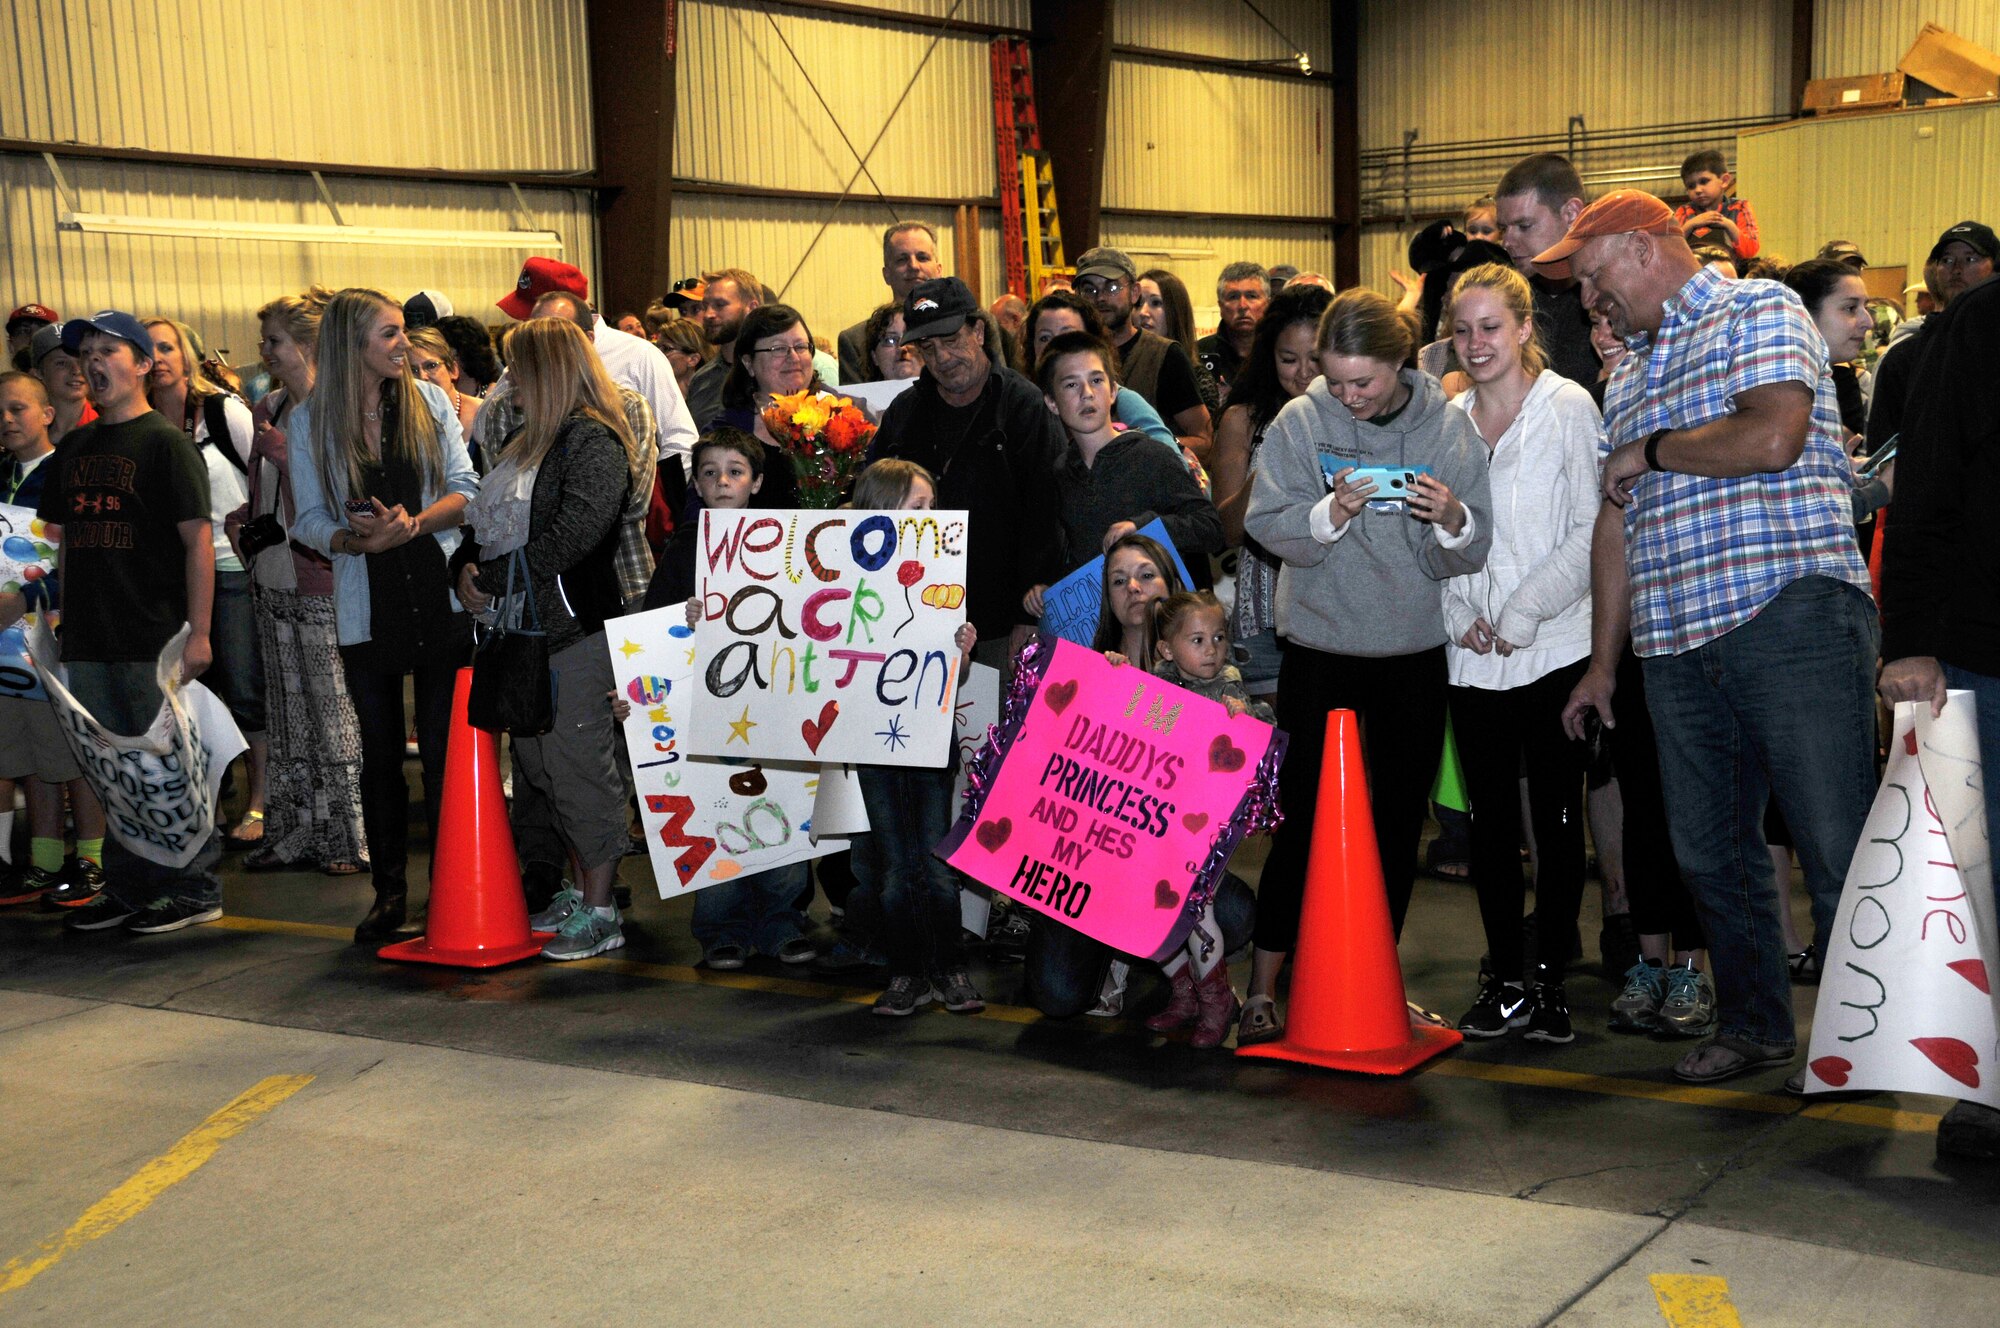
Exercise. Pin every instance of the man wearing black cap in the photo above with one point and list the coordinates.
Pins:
(1154, 367)
(991, 441)
(1962, 258)
(137, 560)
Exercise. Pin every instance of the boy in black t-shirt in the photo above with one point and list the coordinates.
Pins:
(130, 497)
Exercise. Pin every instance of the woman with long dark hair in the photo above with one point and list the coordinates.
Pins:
(1161, 305)
(1281, 365)
(381, 475)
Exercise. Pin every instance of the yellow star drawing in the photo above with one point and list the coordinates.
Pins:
(741, 726)
(630, 649)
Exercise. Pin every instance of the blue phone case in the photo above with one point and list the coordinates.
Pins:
(1391, 482)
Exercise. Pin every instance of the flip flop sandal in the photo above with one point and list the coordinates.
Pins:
(343, 869)
(236, 839)
(1259, 1022)
(1738, 1056)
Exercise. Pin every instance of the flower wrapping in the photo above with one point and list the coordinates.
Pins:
(827, 437)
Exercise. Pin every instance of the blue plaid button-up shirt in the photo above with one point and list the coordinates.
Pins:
(1706, 555)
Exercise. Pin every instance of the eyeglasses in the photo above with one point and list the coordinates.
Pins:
(889, 339)
(801, 348)
(429, 366)
(1957, 261)
(1093, 288)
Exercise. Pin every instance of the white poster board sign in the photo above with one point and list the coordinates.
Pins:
(707, 820)
(1906, 999)
(158, 788)
(27, 567)
(827, 635)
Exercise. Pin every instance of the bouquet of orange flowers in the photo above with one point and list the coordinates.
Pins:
(827, 437)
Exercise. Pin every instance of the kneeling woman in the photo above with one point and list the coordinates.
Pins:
(1359, 603)
(573, 440)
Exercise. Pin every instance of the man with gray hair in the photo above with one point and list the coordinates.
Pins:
(909, 256)
(1242, 293)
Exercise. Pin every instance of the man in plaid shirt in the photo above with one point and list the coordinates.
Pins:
(1726, 547)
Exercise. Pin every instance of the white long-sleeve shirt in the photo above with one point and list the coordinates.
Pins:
(638, 364)
(1535, 587)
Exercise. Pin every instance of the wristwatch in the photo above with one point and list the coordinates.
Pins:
(1653, 449)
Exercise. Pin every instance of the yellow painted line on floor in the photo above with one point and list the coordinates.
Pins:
(1688, 1301)
(164, 1172)
(1687, 1095)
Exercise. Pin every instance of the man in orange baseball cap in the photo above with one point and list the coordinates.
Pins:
(1620, 212)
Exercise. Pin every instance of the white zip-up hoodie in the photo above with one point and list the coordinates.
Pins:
(1535, 587)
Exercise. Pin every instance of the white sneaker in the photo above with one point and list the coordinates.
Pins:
(567, 901)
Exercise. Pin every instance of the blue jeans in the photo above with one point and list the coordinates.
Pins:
(1782, 707)
(909, 811)
(1065, 969)
(758, 912)
(125, 698)
(1985, 690)
(237, 675)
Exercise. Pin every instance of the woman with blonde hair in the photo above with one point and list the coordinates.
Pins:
(380, 471)
(1518, 640)
(315, 743)
(221, 428)
(546, 524)
(1364, 548)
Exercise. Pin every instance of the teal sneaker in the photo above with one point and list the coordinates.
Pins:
(1689, 1008)
(1637, 1009)
(567, 901)
(583, 934)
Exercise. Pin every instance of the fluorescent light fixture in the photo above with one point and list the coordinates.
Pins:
(188, 228)
(1169, 253)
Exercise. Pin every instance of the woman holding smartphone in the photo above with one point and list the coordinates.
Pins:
(381, 477)
(1358, 602)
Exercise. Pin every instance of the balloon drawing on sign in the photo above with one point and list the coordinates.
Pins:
(907, 576)
(940, 596)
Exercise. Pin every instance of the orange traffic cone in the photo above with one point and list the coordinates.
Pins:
(478, 915)
(1347, 1010)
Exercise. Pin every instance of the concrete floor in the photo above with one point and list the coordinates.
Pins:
(548, 1143)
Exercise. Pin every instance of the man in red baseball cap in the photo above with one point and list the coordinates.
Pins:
(22, 325)
(539, 277)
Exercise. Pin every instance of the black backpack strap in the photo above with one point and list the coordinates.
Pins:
(215, 410)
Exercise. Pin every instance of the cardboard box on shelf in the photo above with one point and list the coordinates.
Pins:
(1862, 92)
(1952, 65)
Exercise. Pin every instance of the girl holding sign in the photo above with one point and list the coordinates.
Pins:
(1358, 601)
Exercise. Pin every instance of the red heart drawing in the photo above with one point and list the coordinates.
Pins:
(1832, 1069)
(1955, 1058)
(1164, 895)
(992, 834)
(1194, 821)
(1060, 695)
(814, 732)
(1224, 755)
(1973, 971)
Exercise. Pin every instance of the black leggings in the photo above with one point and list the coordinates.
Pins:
(1400, 702)
(1497, 732)
(385, 794)
(1654, 889)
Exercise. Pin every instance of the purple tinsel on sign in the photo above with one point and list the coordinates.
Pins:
(1028, 667)
(1257, 813)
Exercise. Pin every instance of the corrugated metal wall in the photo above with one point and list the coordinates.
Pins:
(1870, 36)
(1196, 250)
(1819, 180)
(748, 116)
(450, 85)
(1227, 28)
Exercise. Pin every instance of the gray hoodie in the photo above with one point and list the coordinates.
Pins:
(1374, 590)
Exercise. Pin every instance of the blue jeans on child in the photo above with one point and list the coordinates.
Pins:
(909, 811)
(125, 698)
(1781, 708)
(758, 912)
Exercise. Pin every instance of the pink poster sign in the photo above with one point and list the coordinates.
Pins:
(1111, 800)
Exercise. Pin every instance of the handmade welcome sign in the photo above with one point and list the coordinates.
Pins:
(1111, 800)
(707, 820)
(1070, 606)
(1906, 1001)
(28, 568)
(828, 635)
(158, 788)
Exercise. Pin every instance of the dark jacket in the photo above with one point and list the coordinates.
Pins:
(1134, 479)
(1940, 564)
(998, 464)
(573, 518)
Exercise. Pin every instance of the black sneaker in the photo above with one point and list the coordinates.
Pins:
(1501, 1006)
(905, 996)
(28, 885)
(1548, 1019)
(83, 881)
(100, 914)
(172, 914)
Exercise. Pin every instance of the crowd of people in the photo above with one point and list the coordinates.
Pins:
(1591, 505)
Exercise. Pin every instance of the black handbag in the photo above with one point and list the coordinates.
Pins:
(512, 689)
